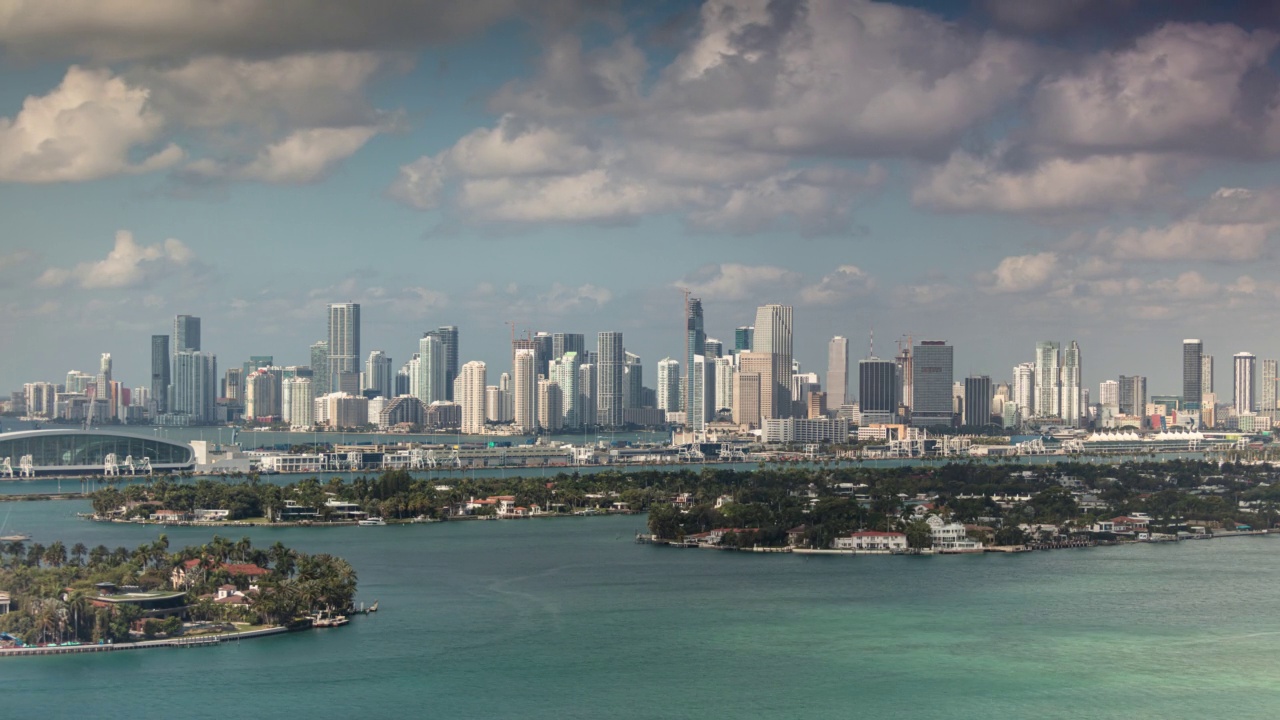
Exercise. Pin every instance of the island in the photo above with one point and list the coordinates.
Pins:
(57, 599)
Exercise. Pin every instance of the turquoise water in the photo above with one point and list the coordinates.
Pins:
(567, 618)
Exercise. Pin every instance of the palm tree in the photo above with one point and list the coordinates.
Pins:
(78, 552)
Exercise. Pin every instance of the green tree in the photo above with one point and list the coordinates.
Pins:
(919, 535)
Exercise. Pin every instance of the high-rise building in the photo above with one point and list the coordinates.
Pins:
(320, 375)
(543, 345)
(742, 339)
(977, 401)
(550, 405)
(702, 409)
(932, 364)
(632, 382)
(377, 374)
(609, 408)
(497, 404)
(1048, 402)
(837, 371)
(1267, 390)
(195, 385)
(160, 366)
(472, 385)
(344, 343)
(448, 335)
(1132, 395)
(588, 387)
(669, 385)
(298, 401)
(565, 371)
(772, 335)
(1245, 382)
(695, 343)
(714, 349)
(1109, 393)
(233, 385)
(186, 333)
(1192, 373)
(432, 367)
(761, 364)
(562, 343)
(41, 399)
(746, 397)
(725, 370)
(524, 389)
(878, 389)
(1024, 388)
(1072, 387)
(1206, 376)
(262, 394)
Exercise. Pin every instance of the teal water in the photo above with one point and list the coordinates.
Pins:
(567, 618)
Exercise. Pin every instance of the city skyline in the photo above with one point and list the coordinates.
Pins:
(1022, 179)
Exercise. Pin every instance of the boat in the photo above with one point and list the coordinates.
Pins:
(15, 538)
(370, 521)
(327, 619)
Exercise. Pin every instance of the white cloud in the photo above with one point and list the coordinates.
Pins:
(127, 265)
(1180, 87)
(513, 148)
(847, 282)
(86, 128)
(1234, 225)
(419, 183)
(817, 201)
(1023, 273)
(127, 29)
(736, 282)
(305, 155)
(1055, 184)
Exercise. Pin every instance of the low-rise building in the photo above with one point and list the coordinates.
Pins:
(951, 536)
(872, 540)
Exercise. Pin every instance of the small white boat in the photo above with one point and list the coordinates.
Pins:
(373, 521)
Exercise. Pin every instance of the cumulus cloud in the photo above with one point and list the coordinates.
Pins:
(303, 156)
(847, 282)
(1180, 87)
(816, 201)
(1234, 225)
(968, 182)
(128, 265)
(1022, 273)
(127, 29)
(736, 282)
(86, 128)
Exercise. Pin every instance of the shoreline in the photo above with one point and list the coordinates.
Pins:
(178, 642)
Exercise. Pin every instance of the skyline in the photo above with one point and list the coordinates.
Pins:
(1009, 173)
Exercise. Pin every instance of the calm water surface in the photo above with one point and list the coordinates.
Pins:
(567, 618)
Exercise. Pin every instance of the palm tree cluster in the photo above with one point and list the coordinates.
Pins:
(53, 590)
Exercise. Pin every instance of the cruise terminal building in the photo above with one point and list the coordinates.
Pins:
(74, 451)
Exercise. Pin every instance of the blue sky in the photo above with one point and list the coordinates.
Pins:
(990, 173)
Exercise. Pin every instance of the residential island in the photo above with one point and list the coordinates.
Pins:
(966, 506)
(57, 599)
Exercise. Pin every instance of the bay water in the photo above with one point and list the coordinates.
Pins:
(569, 618)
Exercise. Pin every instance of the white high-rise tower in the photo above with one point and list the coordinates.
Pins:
(837, 372)
(472, 383)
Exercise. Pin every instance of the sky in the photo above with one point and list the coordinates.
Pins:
(990, 173)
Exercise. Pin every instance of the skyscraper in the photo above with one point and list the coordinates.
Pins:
(977, 401)
(703, 409)
(725, 370)
(160, 366)
(262, 395)
(1024, 388)
(233, 385)
(1267, 391)
(714, 349)
(837, 371)
(1132, 398)
(1206, 376)
(669, 385)
(932, 363)
(186, 333)
(1072, 388)
(320, 375)
(633, 382)
(566, 372)
(344, 343)
(297, 400)
(562, 343)
(772, 335)
(695, 343)
(550, 405)
(377, 374)
(195, 385)
(543, 345)
(609, 409)
(431, 368)
(1048, 402)
(1245, 382)
(1192, 372)
(742, 339)
(472, 385)
(760, 364)
(1109, 393)
(588, 386)
(878, 390)
(524, 389)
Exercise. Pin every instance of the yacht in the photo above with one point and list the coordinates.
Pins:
(373, 521)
